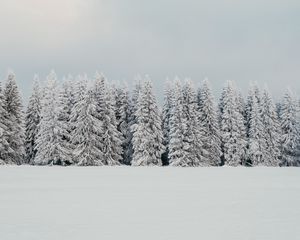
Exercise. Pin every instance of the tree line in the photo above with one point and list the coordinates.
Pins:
(94, 123)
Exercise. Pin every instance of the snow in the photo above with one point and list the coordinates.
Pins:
(149, 203)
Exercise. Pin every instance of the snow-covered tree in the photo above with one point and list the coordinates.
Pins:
(177, 152)
(66, 101)
(123, 121)
(256, 151)
(4, 146)
(33, 117)
(290, 130)
(166, 115)
(86, 137)
(112, 138)
(15, 124)
(208, 120)
(147, 133)
(271, 129)
(232, 128)
(47, 139)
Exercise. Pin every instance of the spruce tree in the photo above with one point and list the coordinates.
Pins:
(208, 120)
(147, 133)
(272, 131)
(14, 110)
(232, 128)
(4, 145)
(177, 152)
(290, 130)
(123, 121)
(48, 135)
(86, 136)
(33, 117)
(193, 133)
(256, 151)
(166, 115)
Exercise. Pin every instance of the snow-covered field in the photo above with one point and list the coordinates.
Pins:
(41, 203)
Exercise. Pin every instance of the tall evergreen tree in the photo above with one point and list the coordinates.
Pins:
(112, 138)
(123, 121)
(147, 133)
(166, 116)
(4, 146)
(14, 111)
(232, 128)
(256, 139)
(290, 130)
(48, 136)
(177, 152)
(271, 129)
(193, 133)
(86, 137)
(33, 117)
(208, 120)
(66, 101)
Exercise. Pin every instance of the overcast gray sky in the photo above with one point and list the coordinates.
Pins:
(254, 40)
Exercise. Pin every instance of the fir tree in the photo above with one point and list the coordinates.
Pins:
(16, 133)
(177, 152)
(147, 133)
(33, 117)
(290, 130)
(208, 120)
(86, 137)
(4, 146)
(48, 136)
(123, 121)
(271, 129)
(232, 128)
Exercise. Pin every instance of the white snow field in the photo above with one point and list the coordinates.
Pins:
(41, 203)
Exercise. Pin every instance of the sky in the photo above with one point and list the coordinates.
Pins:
(243, 41)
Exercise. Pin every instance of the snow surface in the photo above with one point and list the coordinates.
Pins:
(41, 203)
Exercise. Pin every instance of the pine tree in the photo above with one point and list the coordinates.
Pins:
(123, 121)
(86, 137)
(16, 134)
(208, 120)
(47, 139)
(256, 138)
(33, 117)
(147, 133)
(271, 129)
(290, 130)
(177, 152)
(4, 145)
(232, 128)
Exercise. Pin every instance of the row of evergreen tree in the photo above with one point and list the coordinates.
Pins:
(94, 123)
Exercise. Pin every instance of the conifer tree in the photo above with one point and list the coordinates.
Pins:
(47, 139)
(33, 117)
(123, 121)
(271, 129)
(4, 146)
(166, 115)
(86, 136)
(290, 130)
(232, 128)
(193, 133)
(208, 120)
(256, 139)
(177, 152)
(16, 133)
(147, 133)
